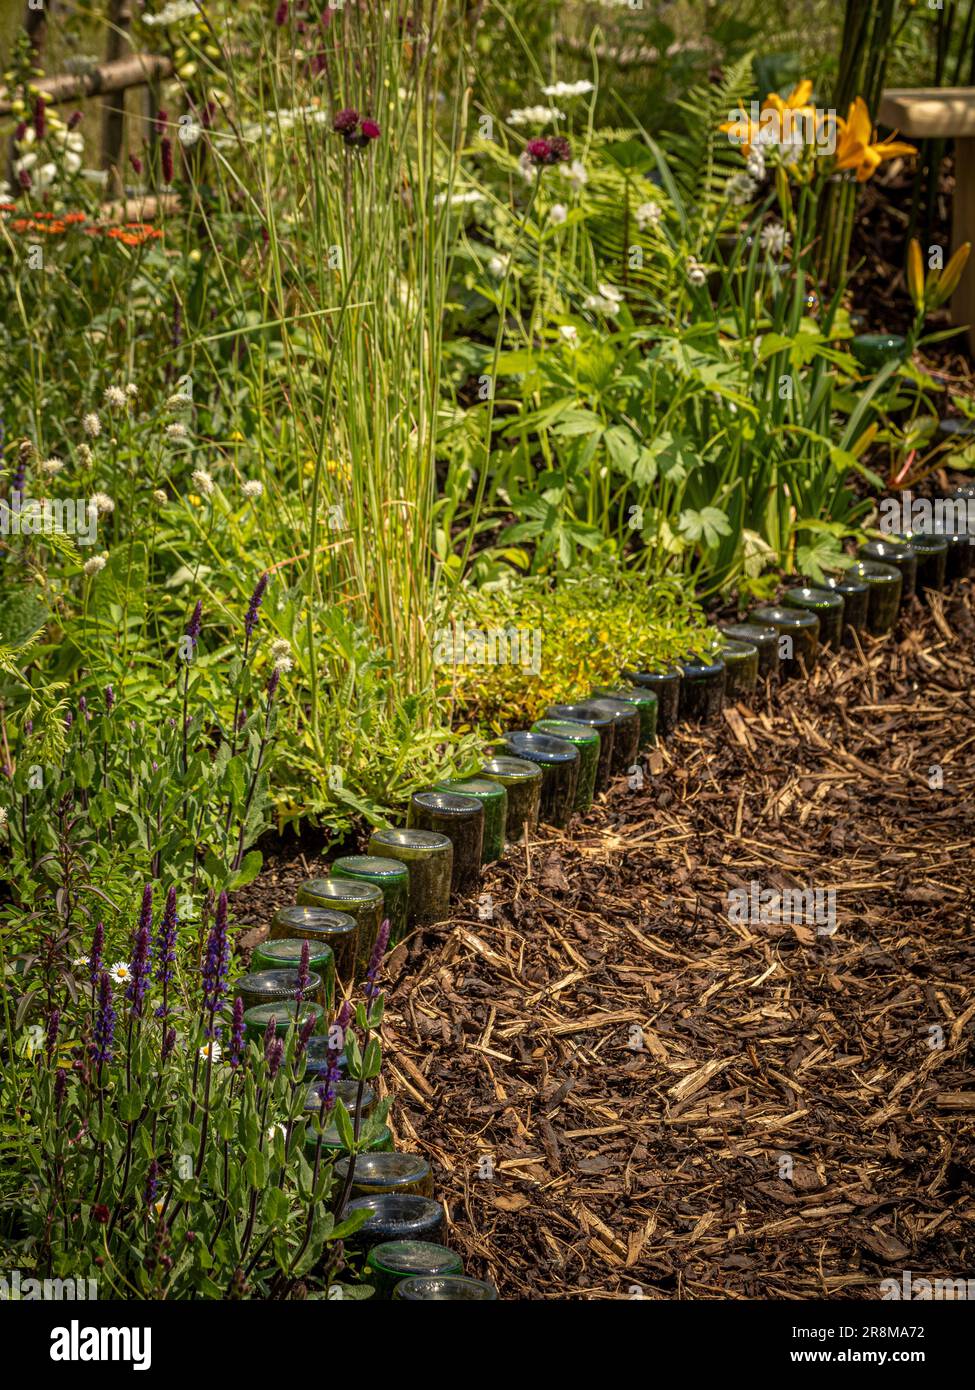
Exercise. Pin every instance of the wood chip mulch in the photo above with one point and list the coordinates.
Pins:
(624, 1092)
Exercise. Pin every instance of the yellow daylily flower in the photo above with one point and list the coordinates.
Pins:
(855, 147)
(746, 130)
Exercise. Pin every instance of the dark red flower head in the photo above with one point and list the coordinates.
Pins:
(371, 130)
(346, 121)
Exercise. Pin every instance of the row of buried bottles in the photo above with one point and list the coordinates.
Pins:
(547, 773)
(553, 770)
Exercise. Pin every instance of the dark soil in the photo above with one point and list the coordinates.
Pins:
(623, 1091)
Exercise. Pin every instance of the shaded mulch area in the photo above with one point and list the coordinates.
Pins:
(621, 1089)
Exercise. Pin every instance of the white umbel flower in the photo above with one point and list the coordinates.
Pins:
(741, 189)
(647, 215)
(568, 89)
(606, 301)
(535, 115)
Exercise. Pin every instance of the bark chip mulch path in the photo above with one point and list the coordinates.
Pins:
(625, 1092)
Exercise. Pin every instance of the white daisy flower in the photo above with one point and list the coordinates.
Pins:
(120, 973)
(80, 962)
(211, 1051)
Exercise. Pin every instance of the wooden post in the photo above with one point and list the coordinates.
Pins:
(943, 113)
(113, 108)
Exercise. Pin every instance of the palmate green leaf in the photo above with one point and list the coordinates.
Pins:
(706, 526)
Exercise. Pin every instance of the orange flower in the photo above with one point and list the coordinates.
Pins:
(792, 112)
(134, 233)
(855, 147)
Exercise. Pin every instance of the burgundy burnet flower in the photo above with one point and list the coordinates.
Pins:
(548, 149)
(109, 699)
(74, 120)
(101, 1213)
(370, 130)
(281, 13)
(25, 180)
(166, 158)
(60, 1087)
(20, 130)
(346, 121)
(40, 117)
(136, 163)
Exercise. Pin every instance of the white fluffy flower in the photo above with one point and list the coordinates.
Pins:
(741, 188)
(755, 165)
(120, 973)
(283, 664)
(85, 456)
(576, 174)
(569, 332)
(171, 13)
(176, 430)
(696, 273)
(535, 115)
(647, 215)
(160, 496)
(95, 565)
(189, 131)
(115, 398)
(91, 425)
(774, 238)
(569, 89)
(498, 266)
(252, 489)
(3, 822)
(606, 301)
(280, 647)
(51, 466)
(132, 390)
(558, 213)
(179, 402)
(203, 481)
(102, 503)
